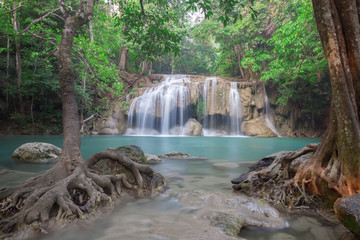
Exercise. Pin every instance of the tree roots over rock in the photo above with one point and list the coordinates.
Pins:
(272, 179)
(100, 180)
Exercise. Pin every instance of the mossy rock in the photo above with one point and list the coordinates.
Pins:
(347, 210)
(175, 155)
(109, 167)
(133, 152)
(155, 182)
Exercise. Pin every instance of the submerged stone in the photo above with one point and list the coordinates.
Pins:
(179, 155)
(226, 165)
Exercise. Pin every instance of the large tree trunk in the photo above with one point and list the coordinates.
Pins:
(336, 163)
(71, 155)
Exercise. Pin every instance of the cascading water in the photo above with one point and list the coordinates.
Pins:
(166, 108)
(267, 115)
(160, 108)
(235, 109)
(210, 104)
(213, 102)
(205, 101)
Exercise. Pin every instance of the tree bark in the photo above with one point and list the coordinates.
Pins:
(336, 163)
(172, 64)
(237, 50)
(71, 156)
(123, 58)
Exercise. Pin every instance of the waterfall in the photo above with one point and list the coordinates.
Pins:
(166, 108)
(267, 115)
(235, 109)
(205, 101)
(160, 108)
(209, 99)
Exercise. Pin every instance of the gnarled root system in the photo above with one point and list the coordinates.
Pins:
(74, 195)
(272, 179)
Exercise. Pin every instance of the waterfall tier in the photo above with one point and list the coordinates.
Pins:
(180, 105)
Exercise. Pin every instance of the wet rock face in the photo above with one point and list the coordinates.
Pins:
(193, 128)
(114, 124)
(347, 210)
(256, 127)
(37, 152)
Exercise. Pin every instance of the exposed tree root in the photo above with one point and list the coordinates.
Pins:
(71, 197)
(274, 184)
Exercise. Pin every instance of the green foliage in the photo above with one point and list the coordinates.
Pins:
(199, 108)
(21, 121)
(298, 65)
(149, 28)
(275, 41)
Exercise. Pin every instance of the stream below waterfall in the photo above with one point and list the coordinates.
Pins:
(196, 188)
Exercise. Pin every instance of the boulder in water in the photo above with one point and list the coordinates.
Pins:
(257, 128)
(133, 152)
(192, 128)
(179, 155)
(152, 158)
(37, 152)
(347, 209)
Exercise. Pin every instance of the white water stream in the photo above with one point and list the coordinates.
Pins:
(268, 121)
(235, 109)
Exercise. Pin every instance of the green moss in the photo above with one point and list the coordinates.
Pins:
(133, 152)
(350, 223)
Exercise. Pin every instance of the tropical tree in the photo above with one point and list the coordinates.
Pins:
(36, 197)
(336, 162)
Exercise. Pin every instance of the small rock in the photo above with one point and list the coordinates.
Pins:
(179, 155)
(174, 155)
(152, 158)
(37, 152)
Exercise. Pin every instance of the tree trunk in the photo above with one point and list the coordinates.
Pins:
(71, 156)
(69, 189)
(172, 64)
(146, 67)
(123, 58)
(18, 62)
(336, 163)
(237, 50)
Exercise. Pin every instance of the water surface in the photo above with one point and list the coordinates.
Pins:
(168, 216)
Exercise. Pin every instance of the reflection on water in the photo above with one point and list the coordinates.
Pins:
(180, 212)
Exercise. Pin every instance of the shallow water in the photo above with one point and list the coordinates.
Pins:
(179, 212)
